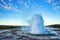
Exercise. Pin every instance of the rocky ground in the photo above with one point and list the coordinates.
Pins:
(18, 35)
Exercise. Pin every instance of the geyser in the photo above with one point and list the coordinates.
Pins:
(37, 26)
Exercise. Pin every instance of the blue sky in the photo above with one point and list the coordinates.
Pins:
(19, 12)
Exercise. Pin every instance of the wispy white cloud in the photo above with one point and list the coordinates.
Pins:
(23, 3)
(3, 2)
(55, 3)
(29, 1)
(57, 8)
(50, 1)
(10, 6)
(10, 0)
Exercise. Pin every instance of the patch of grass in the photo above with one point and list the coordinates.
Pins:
(54, 26)
(8, 27)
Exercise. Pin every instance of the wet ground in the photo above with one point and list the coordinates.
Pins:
(19, 35)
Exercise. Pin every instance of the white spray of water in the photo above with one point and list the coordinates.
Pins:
(37, 26)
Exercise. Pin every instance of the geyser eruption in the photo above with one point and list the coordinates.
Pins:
(37, 26)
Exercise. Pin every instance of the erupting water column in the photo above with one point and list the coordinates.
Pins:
(37, 26)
